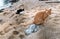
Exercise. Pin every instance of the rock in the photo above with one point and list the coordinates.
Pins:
(13, 0)
(1, 20)
(1, 11)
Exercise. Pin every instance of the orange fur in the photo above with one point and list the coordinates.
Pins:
(41, 16)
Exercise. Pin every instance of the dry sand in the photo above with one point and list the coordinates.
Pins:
(10, 21)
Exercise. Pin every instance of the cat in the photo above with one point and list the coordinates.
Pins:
(41, 16)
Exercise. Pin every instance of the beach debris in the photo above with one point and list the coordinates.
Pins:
(20, 10)
(31, 29)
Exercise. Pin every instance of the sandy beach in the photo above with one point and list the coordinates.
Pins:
(12, 25)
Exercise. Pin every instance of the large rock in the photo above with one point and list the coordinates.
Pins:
(13, 1)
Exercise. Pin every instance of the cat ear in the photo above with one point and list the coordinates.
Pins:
(49, 9)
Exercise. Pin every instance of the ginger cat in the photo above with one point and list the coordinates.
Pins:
(41, 16)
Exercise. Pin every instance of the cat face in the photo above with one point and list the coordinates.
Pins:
(48, 11)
